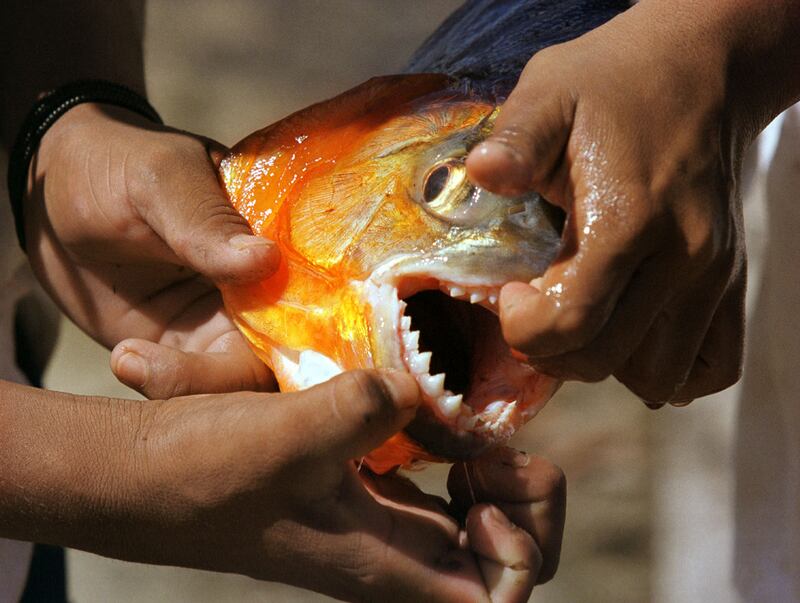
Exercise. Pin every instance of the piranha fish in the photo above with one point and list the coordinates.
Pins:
(391, 257)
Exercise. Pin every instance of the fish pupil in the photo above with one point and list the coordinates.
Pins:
(435, 183)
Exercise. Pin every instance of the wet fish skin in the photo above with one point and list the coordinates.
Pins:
(346, 190)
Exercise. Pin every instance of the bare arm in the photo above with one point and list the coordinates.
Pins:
(68, 462)
(263, 485)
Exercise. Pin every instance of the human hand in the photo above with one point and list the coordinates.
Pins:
(265, 485)
(128, 229)
(633, 130)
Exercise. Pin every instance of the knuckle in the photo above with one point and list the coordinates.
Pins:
(650, 384)
(183, 243)
(549, 567)
(711, 245)
(166, 153)
(210, 211)
(541, 61)
(702, 249)
(650, 390)
(177, 383)
(727, 373)
(533, 557)
(730, 375)
(708, 380)
(574, 327)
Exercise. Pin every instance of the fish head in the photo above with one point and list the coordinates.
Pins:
(392, 258)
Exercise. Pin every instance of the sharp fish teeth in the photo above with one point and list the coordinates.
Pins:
(495, 406)
(405, 323)
(476, 296)
(456, 291)
(450, 405)
(411, 340)
(493, 299)
(432, 385)
(420, 363)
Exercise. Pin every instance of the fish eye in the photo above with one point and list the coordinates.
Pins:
(435, 182)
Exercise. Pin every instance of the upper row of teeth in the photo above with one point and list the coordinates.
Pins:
(475, 295)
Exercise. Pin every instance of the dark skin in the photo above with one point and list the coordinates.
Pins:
(230, 483)
(128, 229)
(637, 130)
(667, 154)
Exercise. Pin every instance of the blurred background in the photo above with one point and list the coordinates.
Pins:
(649, 511)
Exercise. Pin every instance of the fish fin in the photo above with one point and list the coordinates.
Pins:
(398, 451)
(330, 216)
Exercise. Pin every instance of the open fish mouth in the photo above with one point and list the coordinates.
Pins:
(477, 391)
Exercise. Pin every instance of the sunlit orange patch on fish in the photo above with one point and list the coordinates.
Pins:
(391, 258)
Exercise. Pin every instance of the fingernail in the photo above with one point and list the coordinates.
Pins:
(243, 242)
(498, 517)
(511, 175)
(514, 458)
(402, 388)
(132, 369)
(651, 405)
(516, 293)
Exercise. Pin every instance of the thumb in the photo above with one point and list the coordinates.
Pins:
(354, 413)
(186, 206)
(160, 371)
(527, 140)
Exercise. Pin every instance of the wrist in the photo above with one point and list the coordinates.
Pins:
(53, 108)
(753, 45)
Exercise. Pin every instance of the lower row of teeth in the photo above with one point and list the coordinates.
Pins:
(419, 363)
(449, 404)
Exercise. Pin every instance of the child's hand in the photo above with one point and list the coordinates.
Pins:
(128, 229)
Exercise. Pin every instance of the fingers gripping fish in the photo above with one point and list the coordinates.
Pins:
(391, 258)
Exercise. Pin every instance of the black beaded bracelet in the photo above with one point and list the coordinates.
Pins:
(44, 114)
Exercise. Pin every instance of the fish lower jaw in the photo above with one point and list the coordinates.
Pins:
(450, 406)
(476, 392)
(496, 417)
